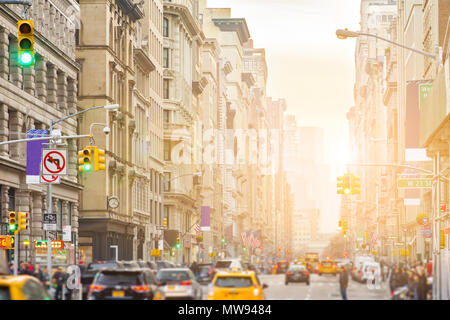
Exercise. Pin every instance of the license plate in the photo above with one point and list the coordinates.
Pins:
(118, 294)
(170, 288)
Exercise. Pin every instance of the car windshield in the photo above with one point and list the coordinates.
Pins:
(233, 282)
(223, 264)
(327, 263)
(172, 275)
(100, 266)
(119, 278)
(4, 293)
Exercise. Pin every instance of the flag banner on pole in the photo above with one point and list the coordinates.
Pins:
(34, 154)
(205, 219)
(251, 239)
(197, 228)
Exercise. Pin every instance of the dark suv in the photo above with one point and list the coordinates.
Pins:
(124, 284)
(87, 276)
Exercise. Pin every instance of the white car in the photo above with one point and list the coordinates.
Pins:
(229, 264)
(371, 270)
(179, 283)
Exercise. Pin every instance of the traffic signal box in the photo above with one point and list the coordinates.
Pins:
(355, 184)
(178, 244)
(85, 160)
(12, 219)
(91, 157)
(99, 159)
(348, 184)
(223, 239)
(441, 239)
(25, 35)
(22, 221)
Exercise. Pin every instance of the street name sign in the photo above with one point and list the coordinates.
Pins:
(403, 183)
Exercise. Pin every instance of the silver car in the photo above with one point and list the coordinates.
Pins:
(179, 283)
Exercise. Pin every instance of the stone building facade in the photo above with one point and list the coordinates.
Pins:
(29, 99)
(121, 62)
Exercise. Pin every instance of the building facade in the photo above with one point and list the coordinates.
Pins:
(121, 63)
(31, 97)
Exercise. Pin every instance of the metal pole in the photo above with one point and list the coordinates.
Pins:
(162, 213)
(16, 252)
(49, 211)
(436, 219)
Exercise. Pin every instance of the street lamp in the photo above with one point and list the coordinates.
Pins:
(345, 33)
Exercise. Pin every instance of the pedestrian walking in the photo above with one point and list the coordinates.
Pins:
(195, 268)
(58, 282)
(422, 284)
(39, 274)
(343, 282)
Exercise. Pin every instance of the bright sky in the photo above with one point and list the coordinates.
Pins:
(308, 65)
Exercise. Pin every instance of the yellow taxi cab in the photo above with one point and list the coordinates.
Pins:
(327, 267)
(22, 288)
(236, 285)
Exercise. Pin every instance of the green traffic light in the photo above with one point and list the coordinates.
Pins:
(87, 167)
(12, 227)
(26, 58)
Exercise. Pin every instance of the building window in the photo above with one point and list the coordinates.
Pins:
(167, 150)
(70, 213)
(166, 92)
(166, 116)
(166, 27)
(166, 58)
(167, 184)
(12, 199)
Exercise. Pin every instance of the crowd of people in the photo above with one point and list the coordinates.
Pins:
(413, 278)
(59, 277)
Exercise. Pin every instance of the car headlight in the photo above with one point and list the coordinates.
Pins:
(256, 292)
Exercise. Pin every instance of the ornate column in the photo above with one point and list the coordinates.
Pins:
(72, 95)
(15, 71)
(4, 53)
(16, 124)
(4, 129)
(41, 79)
(65, 213)
(28, 80)
(62, 91)
(52, 85)
(5, 200)
(73, 160)
(37, 216)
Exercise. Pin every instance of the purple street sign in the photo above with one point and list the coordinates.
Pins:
(34, 154)
(205, 219)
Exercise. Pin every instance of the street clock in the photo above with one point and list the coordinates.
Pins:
(113, 202)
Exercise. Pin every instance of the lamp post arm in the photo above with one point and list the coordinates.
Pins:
(434, 56)
(76, 114)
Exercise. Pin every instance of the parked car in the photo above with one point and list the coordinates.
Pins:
(87, 276)
(228, 264)
(130, 264)
(161, 264)
(297, 273)
(125, 284)
(148, 264)
(206, 274)
(179, 283)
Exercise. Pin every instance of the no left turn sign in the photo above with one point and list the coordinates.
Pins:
(54, 162)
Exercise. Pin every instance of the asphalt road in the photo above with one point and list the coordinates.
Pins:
(325, 287)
